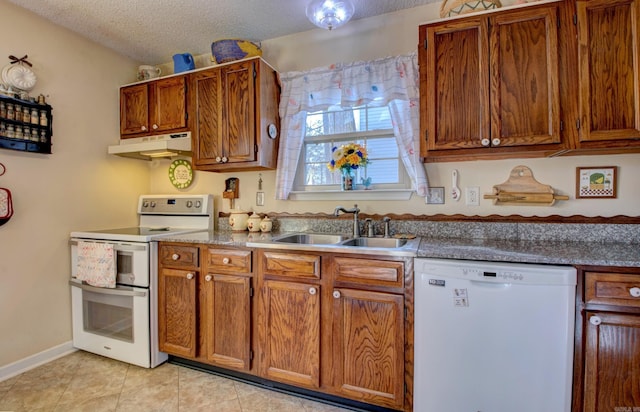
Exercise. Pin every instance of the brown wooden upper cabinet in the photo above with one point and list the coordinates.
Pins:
(154, 107)
(492, 86)
(609, 73)
(235, 106)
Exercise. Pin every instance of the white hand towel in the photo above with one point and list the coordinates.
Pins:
(96, 264)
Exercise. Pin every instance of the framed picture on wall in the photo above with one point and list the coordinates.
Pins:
(435, 196)
(596, 182)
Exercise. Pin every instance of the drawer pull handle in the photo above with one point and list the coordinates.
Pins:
(226, 261)
(208, 278)
(336, 294)
(189, 276)
(312, 291)
(635, 292)
(175, 256)
(595, 320)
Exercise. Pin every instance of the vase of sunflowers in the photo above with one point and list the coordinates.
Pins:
(347, 159)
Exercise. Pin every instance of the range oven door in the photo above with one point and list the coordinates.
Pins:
(112, 322)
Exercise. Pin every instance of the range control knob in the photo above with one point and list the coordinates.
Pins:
(189, 203)
(198, 203)
(145, 203)
(153, 204)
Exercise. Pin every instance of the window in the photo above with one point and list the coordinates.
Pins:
(368, 126)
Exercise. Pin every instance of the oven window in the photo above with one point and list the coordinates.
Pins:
(108, 315)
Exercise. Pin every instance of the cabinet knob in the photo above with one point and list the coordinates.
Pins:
(208, 278)
(225, 159)
(218, 159)
(312, 291)
(484, 142)
(495, 142)
(154, 127)
(635, 292)
(336, 294)
(189, 275)
(595, 320)
(143, 128)
(226, 261)
(175, 256)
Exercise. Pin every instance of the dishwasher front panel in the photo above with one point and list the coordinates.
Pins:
(493, 337)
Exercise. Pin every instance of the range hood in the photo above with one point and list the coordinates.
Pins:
(153, 147)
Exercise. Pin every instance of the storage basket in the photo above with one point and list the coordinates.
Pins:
(450, 8)
(228, 50)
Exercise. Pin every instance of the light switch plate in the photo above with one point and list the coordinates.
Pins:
(259, 198)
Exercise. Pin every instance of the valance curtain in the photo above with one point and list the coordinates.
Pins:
(391, 82)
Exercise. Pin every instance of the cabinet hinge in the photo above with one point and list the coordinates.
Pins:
(250, 354)
(561, 125)
(255, 148)
(575, 19)
(578, 124)
(250, 292)
(426, 42)
(406, 312)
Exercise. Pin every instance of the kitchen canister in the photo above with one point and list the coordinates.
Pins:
(238, 220)
(253, 223)
(266, 224)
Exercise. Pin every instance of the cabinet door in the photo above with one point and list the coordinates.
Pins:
(238, 90)
(368, 339)
(525, 94)
(455, 84)
(207, 125)
(612, 362)
(169, 104)
(290, 333)
(134, 109)
(609, 64)
(177, 312)
(227, 320)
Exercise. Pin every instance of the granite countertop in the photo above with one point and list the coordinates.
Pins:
(517, 251)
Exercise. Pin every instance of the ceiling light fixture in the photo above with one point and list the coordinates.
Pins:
(329, 14)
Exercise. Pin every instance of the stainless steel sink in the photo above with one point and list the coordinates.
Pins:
(375, 242)
(310, 239)
(339, 243)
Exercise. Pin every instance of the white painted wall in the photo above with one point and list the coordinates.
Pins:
(394, 34)
(55, 194)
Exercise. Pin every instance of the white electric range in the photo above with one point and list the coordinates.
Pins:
(121, 322)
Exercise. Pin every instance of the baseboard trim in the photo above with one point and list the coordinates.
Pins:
(33, 361)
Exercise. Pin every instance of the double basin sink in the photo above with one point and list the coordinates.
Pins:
(340, 243)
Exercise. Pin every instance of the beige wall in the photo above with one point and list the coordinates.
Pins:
(55, 194)
(393, 34)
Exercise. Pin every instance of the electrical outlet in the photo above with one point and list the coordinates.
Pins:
(472, 196)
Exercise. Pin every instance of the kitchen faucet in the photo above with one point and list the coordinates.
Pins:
(356, 223)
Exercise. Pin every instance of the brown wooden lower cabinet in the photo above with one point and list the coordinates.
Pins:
(330, 323)
(607, 374)
(368, 346)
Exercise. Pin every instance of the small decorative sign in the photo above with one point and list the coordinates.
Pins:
(596, 182)
(181, 173)
(435, 196)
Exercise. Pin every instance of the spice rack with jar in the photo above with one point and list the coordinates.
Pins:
(25, 125)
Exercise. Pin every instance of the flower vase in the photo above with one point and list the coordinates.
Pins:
(348, 180)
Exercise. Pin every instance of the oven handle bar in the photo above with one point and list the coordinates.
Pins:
(118, 246)
(107, 291)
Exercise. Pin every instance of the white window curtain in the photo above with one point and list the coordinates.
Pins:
(391, 81)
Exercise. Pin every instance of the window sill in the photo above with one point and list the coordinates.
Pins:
(377, 194)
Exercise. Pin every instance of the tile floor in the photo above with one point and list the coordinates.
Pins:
(85, 382)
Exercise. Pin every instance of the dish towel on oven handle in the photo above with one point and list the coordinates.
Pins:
(96, 264)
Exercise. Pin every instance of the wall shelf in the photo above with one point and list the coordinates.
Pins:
(26, 133)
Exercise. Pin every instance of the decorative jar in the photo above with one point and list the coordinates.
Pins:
(253, 223)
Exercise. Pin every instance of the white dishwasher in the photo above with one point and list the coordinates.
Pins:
(493, 337)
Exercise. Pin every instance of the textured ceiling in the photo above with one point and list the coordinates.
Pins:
(151, 31)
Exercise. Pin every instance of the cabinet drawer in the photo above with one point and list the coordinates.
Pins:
(229, 261)
(178, 256)
(612, 289)
(369, 272)
(291, 264)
